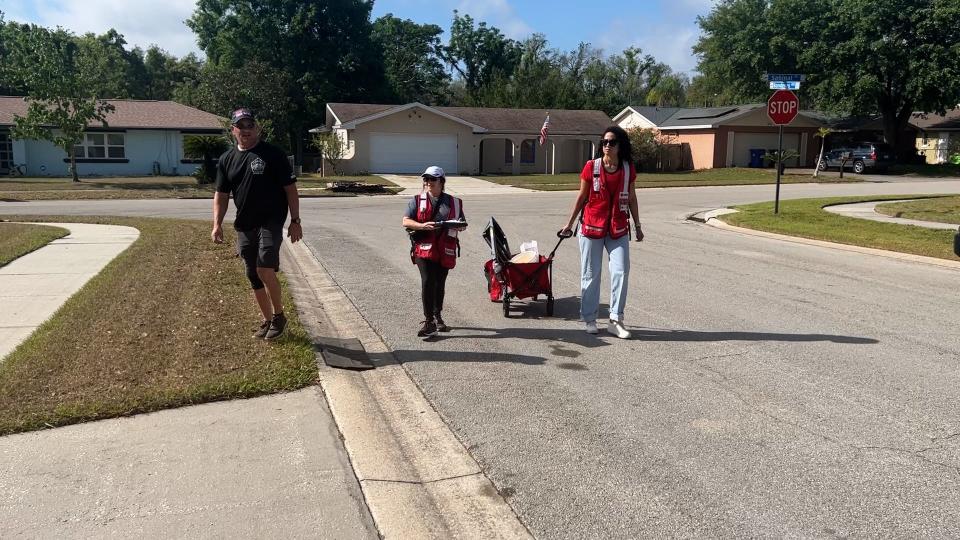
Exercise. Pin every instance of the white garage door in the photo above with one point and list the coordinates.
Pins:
(412, 153)
(743, 142)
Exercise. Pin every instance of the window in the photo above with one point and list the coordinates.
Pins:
(6, 152)
(508, 151)
(528, 151)
(101, 146)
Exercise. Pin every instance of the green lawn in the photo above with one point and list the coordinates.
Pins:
(941, 209)
(706, 177)
(151, 187)
(16, 240)
(167, 323)
(806, 218)
(945, 170)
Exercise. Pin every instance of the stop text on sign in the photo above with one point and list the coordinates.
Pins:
(782, 107)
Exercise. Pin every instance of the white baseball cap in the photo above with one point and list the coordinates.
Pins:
(433, 171)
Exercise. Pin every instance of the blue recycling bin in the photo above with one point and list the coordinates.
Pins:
(756, 157)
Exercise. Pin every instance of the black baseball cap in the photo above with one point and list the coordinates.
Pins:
(241, 114)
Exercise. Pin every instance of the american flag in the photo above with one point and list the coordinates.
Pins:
(544, 130)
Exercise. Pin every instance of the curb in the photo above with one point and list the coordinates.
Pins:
(709, 219)
(417, 478)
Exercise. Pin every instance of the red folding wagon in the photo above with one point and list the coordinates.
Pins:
(507, 281)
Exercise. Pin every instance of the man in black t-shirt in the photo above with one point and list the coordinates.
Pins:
(263, 187)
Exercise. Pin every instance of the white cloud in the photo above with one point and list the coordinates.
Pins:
(142, 23)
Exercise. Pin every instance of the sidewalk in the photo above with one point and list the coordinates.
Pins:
(456, 185)
(273, 466)
(34, 286)
(868, 210)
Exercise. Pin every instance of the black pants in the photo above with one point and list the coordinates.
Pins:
(433, 280)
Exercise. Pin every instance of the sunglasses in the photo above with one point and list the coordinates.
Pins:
(610, 142)
(244, 125)
(430, 179)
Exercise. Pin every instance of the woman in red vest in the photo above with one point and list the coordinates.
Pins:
(607, 199)
(435, 245)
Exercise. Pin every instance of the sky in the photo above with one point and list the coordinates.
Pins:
(666, 29)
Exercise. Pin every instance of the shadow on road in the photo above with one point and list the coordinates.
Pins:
(574, 336)
(646, 334)
(404, 356)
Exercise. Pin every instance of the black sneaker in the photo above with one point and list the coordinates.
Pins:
(277, 325)
(441, 326)
(428, 330)
(262, 331)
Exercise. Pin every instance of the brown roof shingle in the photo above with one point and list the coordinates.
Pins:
(497, 120)
(132, 114)
(932, 121)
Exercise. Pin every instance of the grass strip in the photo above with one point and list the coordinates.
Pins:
(167, 323)
(17, 239)
(709, 177)
(59, 189)
(941, 209)
(806, 218)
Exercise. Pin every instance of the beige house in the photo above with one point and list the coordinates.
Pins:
(934, 133)
(726, 136)
(462, 140)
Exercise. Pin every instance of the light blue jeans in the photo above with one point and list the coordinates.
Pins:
(591, 259)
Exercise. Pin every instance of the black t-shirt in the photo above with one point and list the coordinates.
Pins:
(256, 178)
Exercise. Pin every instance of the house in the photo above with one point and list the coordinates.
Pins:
(935, 133)
(725, 136)
(463, 140)
(140, 138)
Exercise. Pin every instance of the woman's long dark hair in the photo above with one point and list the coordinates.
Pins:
(624, 149)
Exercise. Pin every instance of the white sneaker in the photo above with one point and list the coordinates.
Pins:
(616, 328)
(592, 327)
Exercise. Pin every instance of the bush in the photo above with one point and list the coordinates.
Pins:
(207, 148)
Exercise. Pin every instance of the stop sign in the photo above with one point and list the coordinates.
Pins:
(782, 107)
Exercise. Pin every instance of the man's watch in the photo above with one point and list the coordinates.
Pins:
(295, 220)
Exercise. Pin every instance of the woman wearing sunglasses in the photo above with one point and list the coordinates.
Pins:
(434, 244)
(607, 199)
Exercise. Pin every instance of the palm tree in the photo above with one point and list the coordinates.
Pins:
(822, 133)
(205, 147)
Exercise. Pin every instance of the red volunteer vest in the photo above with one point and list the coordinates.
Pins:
(441, 246)
(601, 214)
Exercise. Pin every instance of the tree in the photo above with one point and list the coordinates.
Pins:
(164, 73)
(822, 134)
(263, 88)
(669, 91)
(860, 56)
(648, 145)
(411, 57)
(205, 147)
(331, 147)
(324, 50)
(110, 69)
(61, 101)
(479, 54)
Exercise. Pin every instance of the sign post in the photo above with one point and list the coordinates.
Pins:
(782, 108)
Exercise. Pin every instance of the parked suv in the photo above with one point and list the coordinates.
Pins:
(863, 156)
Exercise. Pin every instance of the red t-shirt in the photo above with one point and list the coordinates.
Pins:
(611, 181)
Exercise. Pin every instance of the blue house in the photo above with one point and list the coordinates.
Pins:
(141, 138)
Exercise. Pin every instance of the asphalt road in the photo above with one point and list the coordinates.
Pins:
(772, 389)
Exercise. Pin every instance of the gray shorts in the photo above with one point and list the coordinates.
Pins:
(260, 247)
